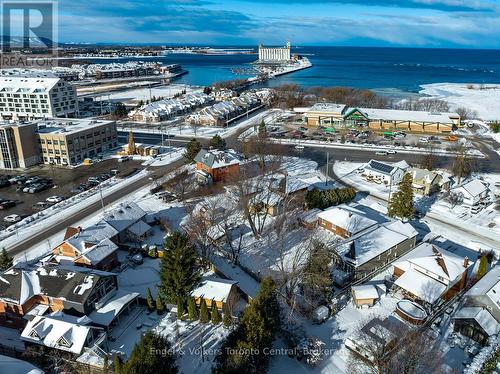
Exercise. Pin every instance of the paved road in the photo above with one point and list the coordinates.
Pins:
(89, 210)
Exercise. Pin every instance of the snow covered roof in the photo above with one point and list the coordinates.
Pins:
(14, 366)
(482, 316)
(421, 285)
(473, 188)
(213, 288)
(488, 285)
(327, 108)
(215, 158)
(408, 115)
(92, 234)
(74, 284)
(375, 240)
(432, 259)
(109, 311)
(422, 176)
(348, 218)
(63, 333)
(289, 184)
(381, 167)
(124, 216)
(365, 291)
(100, 251)
(139, 228)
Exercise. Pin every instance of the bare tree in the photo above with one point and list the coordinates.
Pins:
(462, 164)
(181, 183)
(428, 160)
(466, 114)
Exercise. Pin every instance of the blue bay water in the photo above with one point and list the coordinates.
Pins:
(391, 71)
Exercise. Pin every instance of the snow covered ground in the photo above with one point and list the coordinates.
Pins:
(482, 98)
(146, 93)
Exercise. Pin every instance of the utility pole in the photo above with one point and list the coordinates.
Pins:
(102, 200)
(327, 162)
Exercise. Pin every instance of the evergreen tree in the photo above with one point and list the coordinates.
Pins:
(149, 300)
(179, 272)
(152, 355)
(6, 261)
(203, 311)
(227, 320)
(192, 310)
(120, 110)
(117, 365)
(317, 279)
(192, 149)
(262, 129)
(215, 315)
(483, 267)
(401, 203)
(131, 149)
(217, 142)
(159, 304)
(180, 309)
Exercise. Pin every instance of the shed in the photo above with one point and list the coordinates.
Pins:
(364, 295)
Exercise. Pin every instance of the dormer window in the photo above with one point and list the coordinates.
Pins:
(33, 334)
(64, 343)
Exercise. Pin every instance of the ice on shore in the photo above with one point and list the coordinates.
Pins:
(482, 98)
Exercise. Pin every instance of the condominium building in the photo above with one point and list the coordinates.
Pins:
(18, 148)
(69, 142)
(32, 94)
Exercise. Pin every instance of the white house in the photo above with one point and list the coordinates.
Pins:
(387, 173)
(473, 192)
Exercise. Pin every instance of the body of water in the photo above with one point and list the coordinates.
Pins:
(391, 71)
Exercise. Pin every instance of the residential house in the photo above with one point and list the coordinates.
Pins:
(218, 290)
(373, 248)
(427, 182)
(281, 191)
(473, 192)
(344, 220)
(389, 174)
(479, 316)
(62, 332)
(26, 291)
(129, 220)
(215, 165)
(429, 274)
(92, 247)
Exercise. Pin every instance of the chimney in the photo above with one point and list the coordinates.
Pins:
(466, 262)
(463, 281)
(79, 228)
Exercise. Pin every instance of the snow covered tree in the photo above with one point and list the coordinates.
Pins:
(149, 300)
(192, 149)
(204, 318)
(152, 355)
(214, 313)
(462, 164)
(179, 272)
(192, 309)
(401, 203)
(6, 261)
(217, 142)
(160, 308)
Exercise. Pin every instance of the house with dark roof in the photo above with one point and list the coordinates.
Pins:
(214, 165)
(385, 172)
(479, 316)
(26, 291)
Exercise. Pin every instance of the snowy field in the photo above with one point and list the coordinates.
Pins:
(482, 98)
(144, 94)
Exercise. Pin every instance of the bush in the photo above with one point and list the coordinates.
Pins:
(325, 199)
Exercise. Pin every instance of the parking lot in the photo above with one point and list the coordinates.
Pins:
(299, 131)
(64, 182)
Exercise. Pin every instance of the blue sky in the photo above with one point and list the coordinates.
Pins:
(414, 23)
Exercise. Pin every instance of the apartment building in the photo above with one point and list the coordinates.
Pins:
(69, 142)
(32, 94)
(18, 148)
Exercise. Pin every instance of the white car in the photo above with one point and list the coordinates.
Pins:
(391, 152)
(381, 153)
(13, 218)
(423, 140)
(299, 147)
(54, 199)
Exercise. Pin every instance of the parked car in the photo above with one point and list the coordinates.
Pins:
(423, 140)
(13, 218)
(123, 158)
(391, 152)
(40, 206)
(54, 199)
(6, 204)
(299, 147)
(4, 182)
(381, 153)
